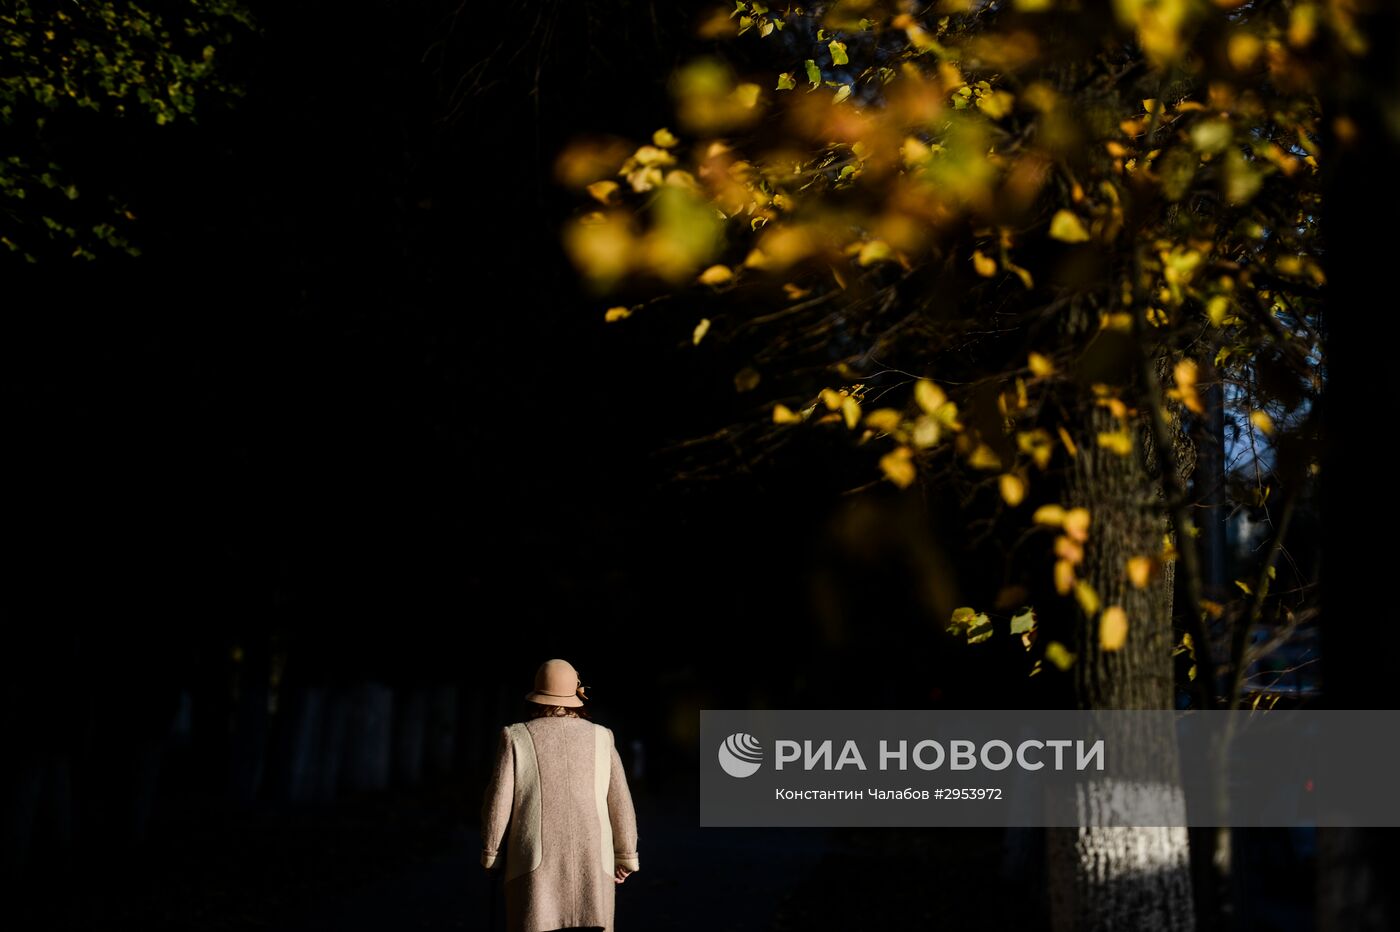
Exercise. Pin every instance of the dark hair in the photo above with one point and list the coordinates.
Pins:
(539, 710)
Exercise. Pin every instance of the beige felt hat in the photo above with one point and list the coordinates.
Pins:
(557, 683)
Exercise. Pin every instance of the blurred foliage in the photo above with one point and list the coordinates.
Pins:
(95, 61)
(1005, 232)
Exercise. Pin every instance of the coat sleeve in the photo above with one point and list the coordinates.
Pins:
(622, 816)
(498, 801)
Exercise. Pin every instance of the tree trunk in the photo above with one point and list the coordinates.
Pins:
(1109, 878)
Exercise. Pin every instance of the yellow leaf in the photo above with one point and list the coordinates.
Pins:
(613, 314)
(927, 430)
(782, 414)
(603, 247)
(1302, 25)
(929, 396)
(1077, 524)
(664, 138)
(701, 329)
(1041, 366)
(898, 466)
(1050, 515)
(1119, 442)
(1068, 442)
(914, 152)
(1115, 406)
(1067, 228)
(1059, 655)
(683, 180)
(1211, 135)
(985, 265)
(1261, 421)
(1113, 628)
(1037, 445)
(716, 275)
(1140, 571)
(1185, 374)
(795, 292)
(984, 457)
(1242, 50)
(850, 412)
(1013, 490)
(1069, 550)
(832, 399)
(996, 104)
(1023, 274)
(947, 415)
(651, 155)
(603, 191)
(1064, 576)
(1218, 310)
(883, 419)
(873, 252)
(1086, 596)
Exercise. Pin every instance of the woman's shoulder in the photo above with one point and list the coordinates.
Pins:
(578, 722)
(570, 721)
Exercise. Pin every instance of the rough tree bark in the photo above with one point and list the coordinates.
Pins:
(1111, 878)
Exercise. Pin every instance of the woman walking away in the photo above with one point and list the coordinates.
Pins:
(558, 804)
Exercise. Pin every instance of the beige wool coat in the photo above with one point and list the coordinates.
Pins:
(559, 811)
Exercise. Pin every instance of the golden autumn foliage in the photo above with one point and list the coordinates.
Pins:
(1066, 247)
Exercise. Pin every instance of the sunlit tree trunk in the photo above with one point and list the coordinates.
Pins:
(1122, 878)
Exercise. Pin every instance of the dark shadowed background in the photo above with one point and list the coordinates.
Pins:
(307, 491)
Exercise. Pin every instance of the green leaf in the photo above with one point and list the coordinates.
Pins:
(975, 625)
(814, 74)
(785, 81)
(838, 53)
(1024, 622)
